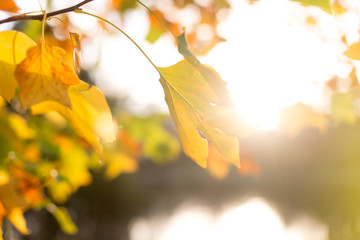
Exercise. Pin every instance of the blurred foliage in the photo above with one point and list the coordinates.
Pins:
(57, 129)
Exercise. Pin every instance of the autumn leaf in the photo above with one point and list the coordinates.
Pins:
(156, 29)
(13, 49)
(63, 218)
(43, 76)
(13, 205)
(199, 106)
(9, 6)
(90, 115)
(354, 51)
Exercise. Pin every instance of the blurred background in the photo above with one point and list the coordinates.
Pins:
(287, 73)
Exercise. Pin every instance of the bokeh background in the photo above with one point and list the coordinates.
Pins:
(288, 76)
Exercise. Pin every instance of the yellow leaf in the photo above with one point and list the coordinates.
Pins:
(9, 5)
(20, 127)
(17, 218)
(63, 218)
(14, 205)
(354, 51)
(4, 177)
(13, 50)
(119, 162)
(43, 76)
(201, 108)
(59, 191)
(90, 115)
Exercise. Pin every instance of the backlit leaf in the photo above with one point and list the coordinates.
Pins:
(43, 76)
(13, 49)
(90, 115)
(195, 96)
(9, 5)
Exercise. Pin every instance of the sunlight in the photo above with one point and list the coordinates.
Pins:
(273, 59)
(253, 219)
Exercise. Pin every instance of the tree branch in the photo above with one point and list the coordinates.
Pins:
(23, 16)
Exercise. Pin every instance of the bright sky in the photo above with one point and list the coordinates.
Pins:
(271, 58)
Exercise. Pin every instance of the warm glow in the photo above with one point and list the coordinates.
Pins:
(253, 219)
(273, 59)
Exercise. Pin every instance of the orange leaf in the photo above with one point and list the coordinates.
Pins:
(43, 76)
(9, 5)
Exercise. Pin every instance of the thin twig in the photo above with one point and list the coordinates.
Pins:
(24, 16)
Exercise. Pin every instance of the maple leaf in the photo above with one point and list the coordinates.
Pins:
(13, 50)
(201, 109)
(9, 6)
(43, 76)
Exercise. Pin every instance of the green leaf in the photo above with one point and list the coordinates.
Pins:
(183, 46)
(324, 4)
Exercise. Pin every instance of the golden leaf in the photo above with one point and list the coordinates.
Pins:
(43, 76)
(20, 127)
(119, 162)
(354, 51)
(90, 115)
(13, 50)
(200, 106)
(14, 205)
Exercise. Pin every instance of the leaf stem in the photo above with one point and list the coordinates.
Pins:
(126, 35)
(42, 39)
(26, 16)
(152, 13)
